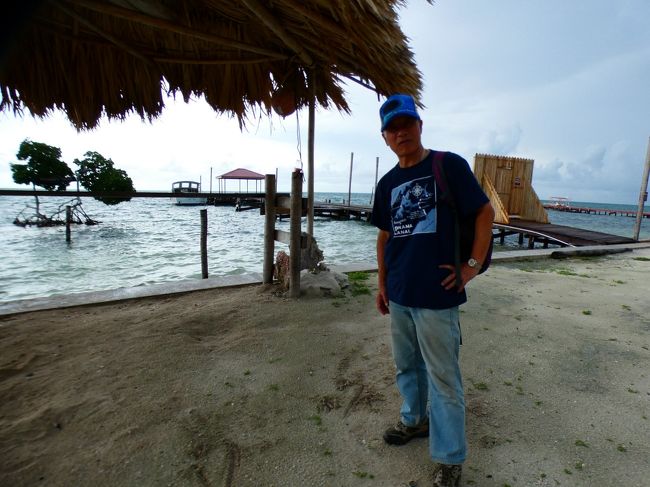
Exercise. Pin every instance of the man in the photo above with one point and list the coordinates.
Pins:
(417, 284)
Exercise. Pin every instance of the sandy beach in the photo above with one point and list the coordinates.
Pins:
(243, 387)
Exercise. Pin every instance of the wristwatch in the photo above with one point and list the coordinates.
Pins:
(473, 263)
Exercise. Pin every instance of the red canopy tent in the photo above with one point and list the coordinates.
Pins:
(240, 174)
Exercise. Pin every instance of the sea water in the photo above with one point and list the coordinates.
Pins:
(146, 241)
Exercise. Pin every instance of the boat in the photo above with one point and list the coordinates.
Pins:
(188, 187)
(560, 202)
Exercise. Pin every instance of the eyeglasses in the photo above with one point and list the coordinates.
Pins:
(400, 123)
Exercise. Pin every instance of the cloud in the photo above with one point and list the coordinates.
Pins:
(502, 142)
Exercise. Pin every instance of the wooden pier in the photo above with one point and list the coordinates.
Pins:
(594, 211)
(549, 234)
(535, 233)
(342, 211)
(213, 199)
(544, 234)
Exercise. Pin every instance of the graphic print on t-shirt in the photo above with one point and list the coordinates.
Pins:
(413, 207)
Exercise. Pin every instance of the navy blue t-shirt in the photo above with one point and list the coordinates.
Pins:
(422, 229)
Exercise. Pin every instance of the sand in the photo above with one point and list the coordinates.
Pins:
(244, 387)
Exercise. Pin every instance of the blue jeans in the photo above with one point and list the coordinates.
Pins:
(426, 344)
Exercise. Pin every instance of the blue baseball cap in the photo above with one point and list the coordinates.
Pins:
(395, 106)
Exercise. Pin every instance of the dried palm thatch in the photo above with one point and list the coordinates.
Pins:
(90, 58)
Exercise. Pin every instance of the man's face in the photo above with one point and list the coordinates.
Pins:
(403, 135)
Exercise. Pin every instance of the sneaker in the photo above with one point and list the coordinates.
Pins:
(447, 475)
(401, 434)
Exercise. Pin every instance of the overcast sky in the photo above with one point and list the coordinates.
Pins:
(563, 82)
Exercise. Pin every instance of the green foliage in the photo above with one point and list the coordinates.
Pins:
(357, 283)
(98, 174)
(44, 166)
(358, 276)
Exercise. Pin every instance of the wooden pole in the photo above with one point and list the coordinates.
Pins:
(643, 194)
(204, 243)
(350, 180)
(68, 221)
(310, 154)
(295, 233)
(374, 188)
(269, 229)
(210, 179)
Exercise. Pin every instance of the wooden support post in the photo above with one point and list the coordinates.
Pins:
(294, 228)
(374, 188)
(531, 241)
(269, 229)
(502, 236)
(204, 243)
(350, 182)
(521, 238)
(310, 153)
(68, 221)
(643, 194)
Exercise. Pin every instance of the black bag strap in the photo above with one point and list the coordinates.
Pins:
(447, 196)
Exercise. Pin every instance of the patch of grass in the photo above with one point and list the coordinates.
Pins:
(564, 272)
(507, 383)
(642, 259)
(327, 452)
(273, 360)
(538, 403)
(480, 386)
(358, 276)
(274, 387)
(358, 289)
(247, 372)
(626, 307)
(316, 419)
(358, 284)
(632, 391)
(582, 443)
(621, 448)
(586, 312)
(618, 281)
(579, 465)
(568, 472)
(363, 475)
(520, 390)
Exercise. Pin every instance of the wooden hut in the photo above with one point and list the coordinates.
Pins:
(508, 182)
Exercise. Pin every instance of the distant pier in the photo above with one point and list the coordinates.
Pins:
(541, 233)
(594, 211)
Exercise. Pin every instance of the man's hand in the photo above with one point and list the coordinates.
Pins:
(467, 273)
(382, 302)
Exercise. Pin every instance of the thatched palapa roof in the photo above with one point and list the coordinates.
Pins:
(115, 57)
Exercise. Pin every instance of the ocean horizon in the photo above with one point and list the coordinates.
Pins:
(151, 240)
